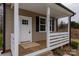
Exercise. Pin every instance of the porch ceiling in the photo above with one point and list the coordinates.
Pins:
(56, 10)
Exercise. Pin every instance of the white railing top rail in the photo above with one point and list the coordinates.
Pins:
(58, 33)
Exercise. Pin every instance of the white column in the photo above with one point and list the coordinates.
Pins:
(48, 26)
(16, 28)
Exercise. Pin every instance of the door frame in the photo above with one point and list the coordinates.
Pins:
(30, 23)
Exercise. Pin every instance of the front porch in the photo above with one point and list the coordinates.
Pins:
(60, 40)
(52, 40)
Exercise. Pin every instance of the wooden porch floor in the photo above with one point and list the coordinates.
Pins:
(40, 45)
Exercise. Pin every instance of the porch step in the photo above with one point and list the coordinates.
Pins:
(26, 48)
(47, 53)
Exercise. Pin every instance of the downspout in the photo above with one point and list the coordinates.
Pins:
(4, 26)
(70, 29)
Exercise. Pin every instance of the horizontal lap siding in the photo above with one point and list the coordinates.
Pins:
(9, 26)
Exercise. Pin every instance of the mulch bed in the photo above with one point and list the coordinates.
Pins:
(66, 51)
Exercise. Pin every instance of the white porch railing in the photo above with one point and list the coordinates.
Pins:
(58, 39)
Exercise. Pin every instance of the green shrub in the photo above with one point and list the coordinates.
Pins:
(74, 44)
(74, 24)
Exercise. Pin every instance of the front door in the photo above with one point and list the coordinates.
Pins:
(25, 29)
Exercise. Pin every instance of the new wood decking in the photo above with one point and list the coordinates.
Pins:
(26, 48)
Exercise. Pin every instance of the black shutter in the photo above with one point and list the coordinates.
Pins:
(37, 23)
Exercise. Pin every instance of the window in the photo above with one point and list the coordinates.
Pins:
(25, 22)
(42, 24)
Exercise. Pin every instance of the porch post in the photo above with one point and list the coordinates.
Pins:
(69, 29)
(48, 26)
(16, 28)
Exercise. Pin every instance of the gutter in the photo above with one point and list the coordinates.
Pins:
(70, 31)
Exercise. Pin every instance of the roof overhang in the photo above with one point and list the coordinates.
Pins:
(66, 8)
(57, 10)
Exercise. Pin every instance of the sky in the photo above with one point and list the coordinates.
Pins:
(74, 7)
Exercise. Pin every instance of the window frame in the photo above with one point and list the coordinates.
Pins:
(42, 24)
(45, 24)
(24, 22)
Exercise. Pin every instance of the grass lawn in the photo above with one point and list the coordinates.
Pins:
(76, 40)
(0, 40)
